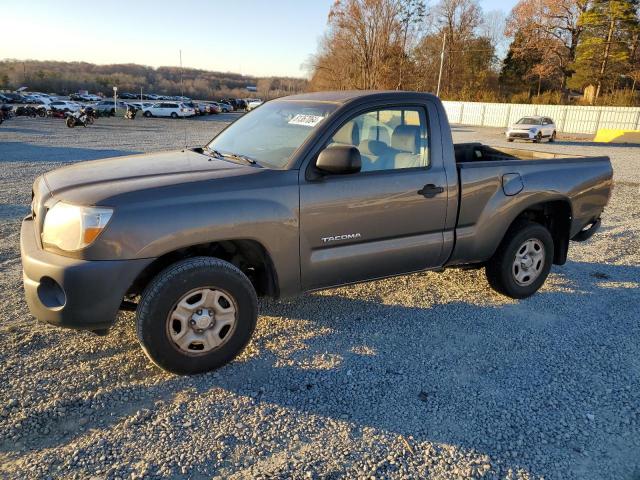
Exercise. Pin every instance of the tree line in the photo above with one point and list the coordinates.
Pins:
(545, 51)
(69, 77)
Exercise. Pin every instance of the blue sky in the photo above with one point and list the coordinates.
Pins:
(253, 37)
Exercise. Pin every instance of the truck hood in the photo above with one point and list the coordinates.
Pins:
(87, 183)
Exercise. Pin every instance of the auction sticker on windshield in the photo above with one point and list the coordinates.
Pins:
(306, 120)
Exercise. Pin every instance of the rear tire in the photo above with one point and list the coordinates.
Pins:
(519, 273)
(170, 315)
(509, 139)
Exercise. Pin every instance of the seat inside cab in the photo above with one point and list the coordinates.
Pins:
(386, 139)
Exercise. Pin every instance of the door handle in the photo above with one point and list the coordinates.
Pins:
(430, 190)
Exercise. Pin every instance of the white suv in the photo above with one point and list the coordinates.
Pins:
(168, 109)
(533, 128)
(65, 106)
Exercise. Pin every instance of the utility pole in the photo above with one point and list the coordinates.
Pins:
(444, 42)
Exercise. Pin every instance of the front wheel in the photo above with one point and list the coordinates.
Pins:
(197, 315)
(538, 138)
(552, 138)
(174, 115)
(147, 114)
(522, 262)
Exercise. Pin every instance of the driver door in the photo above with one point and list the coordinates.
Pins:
(387, 219)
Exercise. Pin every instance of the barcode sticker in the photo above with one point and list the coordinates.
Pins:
(306, 120)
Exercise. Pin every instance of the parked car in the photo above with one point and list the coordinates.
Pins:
(141, 105)
(283, 201)
(214, 107)
(255, 103)
(533, 128)
(65, 106)
(14, 97)
(202, 108)
(169, 109)
(225, 107)
(107, 106)
(129, 96)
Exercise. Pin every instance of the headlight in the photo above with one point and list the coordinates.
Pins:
(70, 227)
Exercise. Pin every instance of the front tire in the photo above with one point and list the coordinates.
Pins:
(538, 138)
(174, 115)
(522, 262)
(552, 138)
(147, 114)
(197, 315)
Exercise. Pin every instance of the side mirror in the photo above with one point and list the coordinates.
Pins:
(339, 160)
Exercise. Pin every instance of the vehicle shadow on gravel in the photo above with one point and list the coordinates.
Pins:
(510, 380)
(515, 381)
(29, 153)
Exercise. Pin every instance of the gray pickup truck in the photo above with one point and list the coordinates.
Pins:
(305, 192)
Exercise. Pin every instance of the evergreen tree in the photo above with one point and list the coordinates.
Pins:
(607, 46)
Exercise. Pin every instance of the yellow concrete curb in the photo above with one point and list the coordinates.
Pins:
(607, 135)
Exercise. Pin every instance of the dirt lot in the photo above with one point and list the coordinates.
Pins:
(430, 375)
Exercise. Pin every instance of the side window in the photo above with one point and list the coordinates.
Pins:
(388, 139)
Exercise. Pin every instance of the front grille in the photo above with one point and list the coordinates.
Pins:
(519, 135)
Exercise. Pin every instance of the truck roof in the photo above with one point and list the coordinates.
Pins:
(344, 96)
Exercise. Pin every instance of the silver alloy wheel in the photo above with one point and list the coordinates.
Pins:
(529, 262)
(202, 320)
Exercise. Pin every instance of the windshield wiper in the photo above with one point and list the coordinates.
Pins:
(237, 156)
(245, 158)
(212, 152)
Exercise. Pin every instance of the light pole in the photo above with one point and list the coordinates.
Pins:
(444, 42)
(115, 99)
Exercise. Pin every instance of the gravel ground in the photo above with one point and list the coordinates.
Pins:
(425, 376)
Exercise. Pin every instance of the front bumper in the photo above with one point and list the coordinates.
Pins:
(73, 293)
(520, 135)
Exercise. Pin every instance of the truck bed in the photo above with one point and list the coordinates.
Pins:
(497, 183)
(477, 152)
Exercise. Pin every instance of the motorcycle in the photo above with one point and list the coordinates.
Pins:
(91, 115)
(131, 112)
(78, 118)
(26, 111)
(6, 112)
(55, 113)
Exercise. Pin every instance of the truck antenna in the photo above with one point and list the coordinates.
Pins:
(182, 99)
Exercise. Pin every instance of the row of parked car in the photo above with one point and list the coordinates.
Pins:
(160, 106)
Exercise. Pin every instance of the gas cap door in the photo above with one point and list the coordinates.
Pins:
(512, 184)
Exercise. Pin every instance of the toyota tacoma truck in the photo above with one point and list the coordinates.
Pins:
(303, 193)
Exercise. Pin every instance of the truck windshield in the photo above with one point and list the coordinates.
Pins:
(271, 133)
(529, 121)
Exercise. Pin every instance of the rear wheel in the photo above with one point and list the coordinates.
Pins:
(522, 262)
(509, 139)
(197, 315)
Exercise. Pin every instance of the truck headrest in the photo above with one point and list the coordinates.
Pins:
(349, 134)
(372, 147)
(406, 138)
